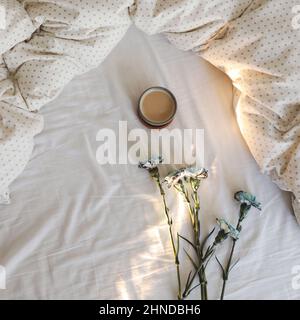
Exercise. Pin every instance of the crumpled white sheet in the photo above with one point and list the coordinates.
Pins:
(61, 39)
(252, 41)
(79, 230)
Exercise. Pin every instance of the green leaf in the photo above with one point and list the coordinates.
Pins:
(196, 286)
(234, 264)
(209, 257)
(188, 241)
(223, 271)
(187, 284)
(206, 239)
(191, 259)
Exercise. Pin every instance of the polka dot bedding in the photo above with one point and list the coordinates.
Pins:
(47, 42)
(44, 45)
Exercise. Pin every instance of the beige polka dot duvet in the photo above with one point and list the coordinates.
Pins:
(256, 42)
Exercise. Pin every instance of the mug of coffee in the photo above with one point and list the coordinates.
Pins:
(157, 107)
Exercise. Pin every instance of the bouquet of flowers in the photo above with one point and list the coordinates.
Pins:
(186, 181)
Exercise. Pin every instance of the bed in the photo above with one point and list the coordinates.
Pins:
(78, 230)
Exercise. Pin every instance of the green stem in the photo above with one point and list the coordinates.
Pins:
(191, 210)
(175, 250)
(227, 269)
(197, 231)
(201, 272)
(194, 214)
(197, 208)
(195, 223)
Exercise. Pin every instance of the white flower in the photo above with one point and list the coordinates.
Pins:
(228, 229)
(174, 177)
(248, 198)
(185, 173)
(151, 163)
(195, 173)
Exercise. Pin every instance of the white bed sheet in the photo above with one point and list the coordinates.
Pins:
(78, 230)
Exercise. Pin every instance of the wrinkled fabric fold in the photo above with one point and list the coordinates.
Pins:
(254, 43)
(46, 44)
